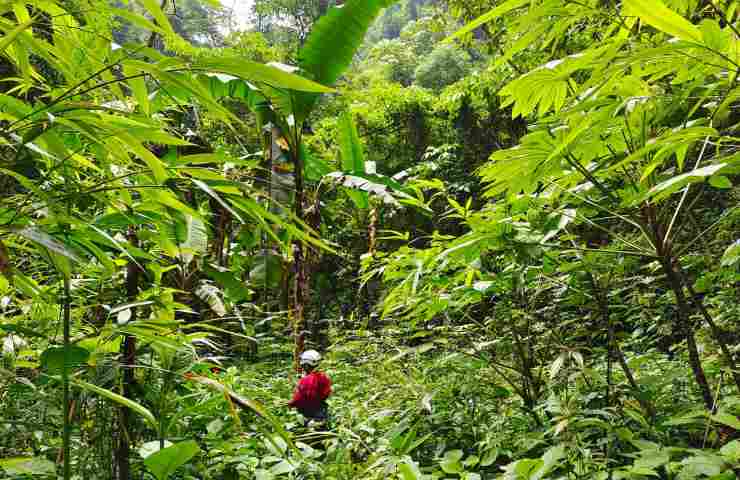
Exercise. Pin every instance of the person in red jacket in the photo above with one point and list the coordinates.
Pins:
(312, 390)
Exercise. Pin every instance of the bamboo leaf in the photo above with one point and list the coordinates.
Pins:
(248, 404)
(501, 9)
(203, 186)
(121, 400)
(48, 242)
(10, 37)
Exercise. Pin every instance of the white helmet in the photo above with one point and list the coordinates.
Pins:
(310, 358)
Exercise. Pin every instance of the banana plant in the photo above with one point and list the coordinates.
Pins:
(326, 54)
(77, 142)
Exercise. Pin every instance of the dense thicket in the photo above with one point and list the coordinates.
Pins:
(511, 228)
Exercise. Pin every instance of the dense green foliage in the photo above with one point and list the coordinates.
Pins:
(512, 229)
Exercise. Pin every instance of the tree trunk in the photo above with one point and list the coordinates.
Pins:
(614, 350)
(222, 226)
(684, 327)
(716, 333)
(128, 352)
(300, 289)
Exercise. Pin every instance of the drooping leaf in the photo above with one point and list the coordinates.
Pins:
(259, 73)
(48, 242)
(121, 400)
(212, 295)
(672, 185)
(335, 38)
(195, 241)
(500, 10)
(203, 186)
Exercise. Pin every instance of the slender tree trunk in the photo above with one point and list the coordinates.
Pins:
(686, 330)
(300, 290)
(716, 333)
(66, 422)
(683, 323)
(323, 7)
(221, 234)
(128, 352)
(614, 350)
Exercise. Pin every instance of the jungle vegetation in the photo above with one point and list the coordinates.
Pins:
(511, 228)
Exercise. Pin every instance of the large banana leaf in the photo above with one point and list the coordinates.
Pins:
(352, 156)
(332, 45)
(335, 38)
(259, 73)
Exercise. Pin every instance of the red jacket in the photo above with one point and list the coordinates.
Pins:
(310, 392)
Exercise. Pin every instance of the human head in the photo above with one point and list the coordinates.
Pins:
(310, 360)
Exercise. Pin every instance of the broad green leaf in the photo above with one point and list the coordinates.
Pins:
(196, 239)
(658, 15)
(353, 157)
(155, 164)
(551, 459)
(720, 181)
(701, 465)
(335, 38)
(121, 400)
(670, 186)
(727, 419)
(160, 17)
(451, 462)
(166, 461)
(150, 448)
(282, 467)
(52, 359)
(731, 451)
(409, 470)
(259, 73)
(167, 198)
(732, 254)
(652, 459)
(331, 47)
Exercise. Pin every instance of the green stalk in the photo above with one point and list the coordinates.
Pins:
(65, 382)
